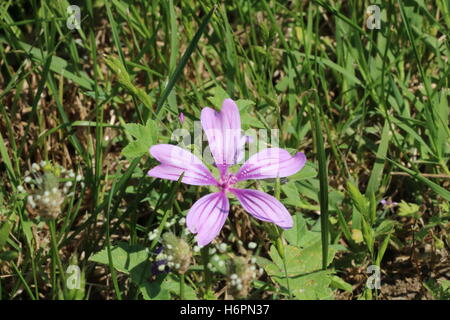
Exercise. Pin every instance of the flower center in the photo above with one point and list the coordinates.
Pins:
(227, 181)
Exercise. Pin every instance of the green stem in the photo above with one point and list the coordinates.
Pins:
(281, 250)
(55, 255)
(279, 240)
(182, 286)
(205, 258)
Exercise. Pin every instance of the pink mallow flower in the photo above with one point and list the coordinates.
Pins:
(223, 130)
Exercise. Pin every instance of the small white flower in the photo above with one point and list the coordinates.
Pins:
(46, 194)
(212, 250)
(20, 189)
(35, 167)
(234, 276)
(182, 221)
(161, 267)
(216, 258)
(169, 246)
(252, 245)
(177, 266)
(42, 164)
(31, 202)
(55, 190)
(209, 265)
(68, 184)
(221, 263)
(79, 177)
(27, 179)
(239, 287)
(160, 256)
(196, 249)
(222, 247)
(253, 260)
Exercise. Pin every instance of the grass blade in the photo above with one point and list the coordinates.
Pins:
(184, 59)
(323, 193)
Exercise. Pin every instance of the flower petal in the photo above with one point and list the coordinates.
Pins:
(264, 207)
(207, 216)
(223, 130)
(271, 163)
(174, 161)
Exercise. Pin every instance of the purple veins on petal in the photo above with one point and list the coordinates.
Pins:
(241, 149)
(207, 217)
(264, 207)
(174, 161)
(271, 163)
(223, 130)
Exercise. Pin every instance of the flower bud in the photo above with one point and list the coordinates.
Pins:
(241, 274)
(178, 250)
